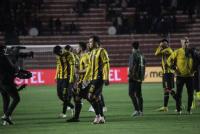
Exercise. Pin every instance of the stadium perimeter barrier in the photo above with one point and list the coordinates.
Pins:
(45, 74)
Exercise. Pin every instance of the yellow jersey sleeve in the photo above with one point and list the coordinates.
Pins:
(171, 58)
(57, 67)
(106, 64)
(88, 74)
(158, 51)
(71, 60)
(83, 65)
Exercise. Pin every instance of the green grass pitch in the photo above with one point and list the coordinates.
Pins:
(39, 108)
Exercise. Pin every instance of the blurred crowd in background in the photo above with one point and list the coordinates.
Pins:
(151, 16)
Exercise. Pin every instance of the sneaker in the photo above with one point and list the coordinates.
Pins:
(102, 120)
(97, 119)
(162, 109)
(7, 120)
(182, 108)
(91, 109)
(105, 109)
(4, 116)
(68, 108)
(62, 115)
(4, 123)
(141, 113)
(136, 113)
(73, 119)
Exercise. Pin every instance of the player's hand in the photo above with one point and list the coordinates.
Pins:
(106, 82)
(89, 96)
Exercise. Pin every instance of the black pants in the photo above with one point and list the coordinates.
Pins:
(64, 92)
(81, 94)
(168, 85)
(8, 91)
(197, 81)
(180, 81)
(135, 93)
(96, 90)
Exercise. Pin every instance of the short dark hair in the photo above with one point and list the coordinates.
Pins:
(83, 45)
(57, 49)
(96, 39)
(68, 47)
(164, 40)
(135, 45)
(2, 49)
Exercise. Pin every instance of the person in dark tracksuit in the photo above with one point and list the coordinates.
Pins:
(181, 61)
(136, 76)
(8, 87)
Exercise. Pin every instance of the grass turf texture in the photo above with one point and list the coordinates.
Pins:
(39, 108)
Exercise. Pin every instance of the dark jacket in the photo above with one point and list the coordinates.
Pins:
(136, 66)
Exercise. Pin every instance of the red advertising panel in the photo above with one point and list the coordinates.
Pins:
(117, 75)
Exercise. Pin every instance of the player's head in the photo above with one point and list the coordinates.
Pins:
(57, 50)
(68, 48)
(135, 45)
(185, 42)
(94, 42)
(165, 43)
(82, 46)
(2, 49)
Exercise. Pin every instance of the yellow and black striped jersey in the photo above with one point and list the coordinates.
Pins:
(58, 68)
(99, 65)
(65, 66)
(77, 60)
(184, 64)
(83, 65)
(164, 53)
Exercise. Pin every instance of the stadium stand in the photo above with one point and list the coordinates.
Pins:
(94, 21)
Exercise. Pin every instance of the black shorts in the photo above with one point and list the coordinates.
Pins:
(197, 81)
(96, 87)
(83, 93)
(64, 88)
(168, 80)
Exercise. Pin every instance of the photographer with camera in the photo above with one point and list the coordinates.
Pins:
(16, 56)
(181, 61)
(165, 51)
(8, 88)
